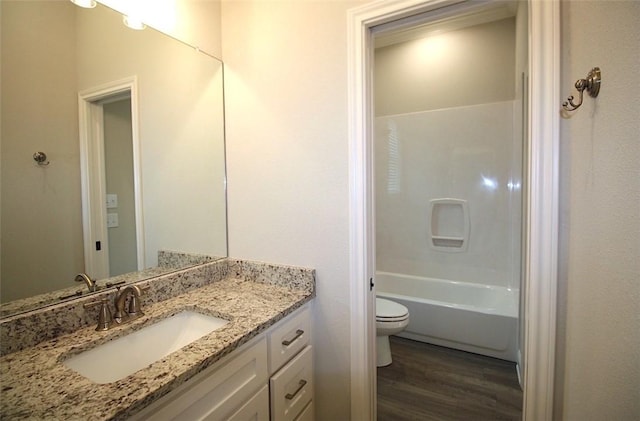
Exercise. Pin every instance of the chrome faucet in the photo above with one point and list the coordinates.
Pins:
(83, 277)
(105, 320)
(134, 312)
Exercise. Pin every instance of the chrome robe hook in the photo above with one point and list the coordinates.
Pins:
(591, 84)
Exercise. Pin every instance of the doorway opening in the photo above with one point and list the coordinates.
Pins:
(448, 143)
(540, 199)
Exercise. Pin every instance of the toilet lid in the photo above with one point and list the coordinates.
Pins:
(386, 310)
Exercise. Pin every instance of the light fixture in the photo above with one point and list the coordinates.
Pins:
(133, 22)
(87, 4)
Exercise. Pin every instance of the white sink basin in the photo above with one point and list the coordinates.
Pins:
(121, 357)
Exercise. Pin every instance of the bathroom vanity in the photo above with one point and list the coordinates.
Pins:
(270, 377)
(256, 366)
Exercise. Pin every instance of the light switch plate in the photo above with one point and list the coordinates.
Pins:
(112, 201)
(112, 220)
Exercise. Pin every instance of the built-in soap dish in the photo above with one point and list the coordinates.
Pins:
(449, 224)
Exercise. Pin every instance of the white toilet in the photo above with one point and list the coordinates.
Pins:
(391, 318)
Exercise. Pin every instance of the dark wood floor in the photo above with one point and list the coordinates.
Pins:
(428, 382)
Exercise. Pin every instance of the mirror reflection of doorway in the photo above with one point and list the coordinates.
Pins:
(111, 180)
(120, 195)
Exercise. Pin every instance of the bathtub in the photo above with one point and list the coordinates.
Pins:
(471, 317)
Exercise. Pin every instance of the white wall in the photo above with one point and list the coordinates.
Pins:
(286, 129)
(599, 300)
(472, 65)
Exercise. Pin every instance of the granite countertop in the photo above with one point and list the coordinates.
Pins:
(36, 385)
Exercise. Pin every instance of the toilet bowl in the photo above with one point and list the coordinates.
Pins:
(391, 318)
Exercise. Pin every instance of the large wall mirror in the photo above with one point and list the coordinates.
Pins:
(131, 124)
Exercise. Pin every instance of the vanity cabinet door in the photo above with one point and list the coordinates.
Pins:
(288, 338)
(256, 409)
(217, 392)
(292, 387)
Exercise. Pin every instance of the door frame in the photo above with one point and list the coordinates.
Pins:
(541, 203)
(92, 172)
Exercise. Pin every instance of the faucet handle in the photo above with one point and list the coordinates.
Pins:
(134, 307)
(104, 315)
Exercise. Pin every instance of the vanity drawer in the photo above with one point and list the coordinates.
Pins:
(292, 387)
(288, 338)
(218, 391)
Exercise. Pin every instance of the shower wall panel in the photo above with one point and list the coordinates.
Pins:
(470, 153)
